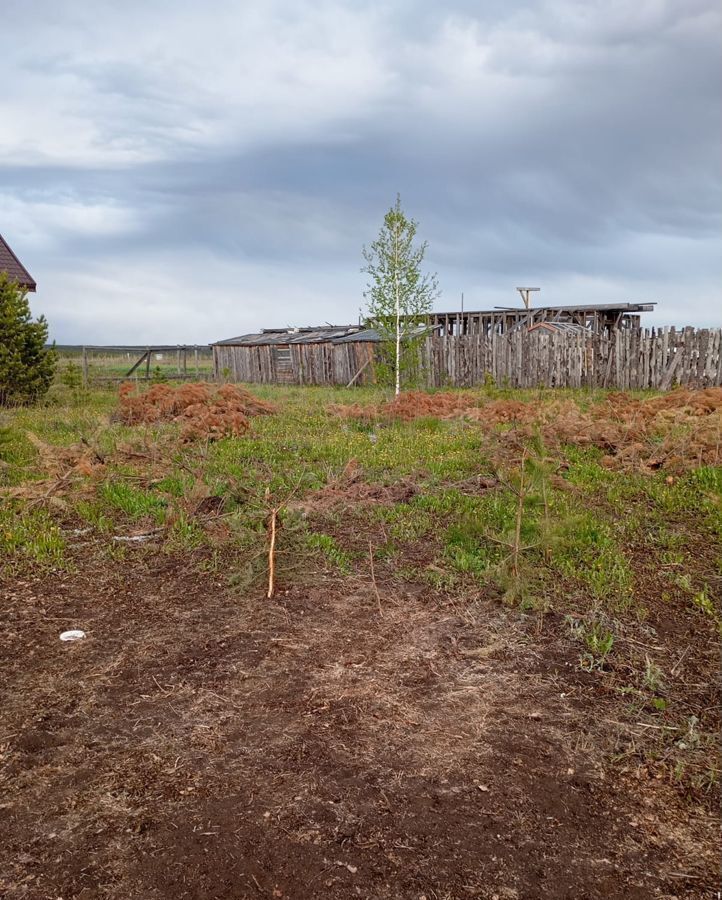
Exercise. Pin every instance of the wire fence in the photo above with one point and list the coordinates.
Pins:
(94, 365)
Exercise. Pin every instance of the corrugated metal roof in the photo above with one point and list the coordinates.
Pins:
(371, 334)
(16, 270)
(365, 335)
(333, 334)
(323, 334)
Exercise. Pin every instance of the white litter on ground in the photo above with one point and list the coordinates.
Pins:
(75, 634)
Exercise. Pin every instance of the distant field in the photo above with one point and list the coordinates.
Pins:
(488, 668)
(104, 364)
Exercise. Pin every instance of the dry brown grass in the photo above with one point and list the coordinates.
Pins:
(674, 432)
(204, 410)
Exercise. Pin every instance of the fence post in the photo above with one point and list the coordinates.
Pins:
(85, 366)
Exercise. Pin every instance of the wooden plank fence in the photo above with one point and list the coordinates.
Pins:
(625, 359)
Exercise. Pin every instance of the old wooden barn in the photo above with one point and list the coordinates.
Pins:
(343, 354)
(570, 346)
(330, 354)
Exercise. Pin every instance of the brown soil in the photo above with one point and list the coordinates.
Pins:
(327, 744)
(352, 490)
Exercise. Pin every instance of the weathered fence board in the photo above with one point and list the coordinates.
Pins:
(628, 359)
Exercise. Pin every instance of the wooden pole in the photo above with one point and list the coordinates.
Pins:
(271, 554)
(517, 524)
(373, 579)
(135, 365)
(147, 364)
(364, 366)
(195, 359)
(85, 366)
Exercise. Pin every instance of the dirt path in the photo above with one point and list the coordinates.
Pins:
(201, 745)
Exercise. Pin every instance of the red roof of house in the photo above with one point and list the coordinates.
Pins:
(16, 270)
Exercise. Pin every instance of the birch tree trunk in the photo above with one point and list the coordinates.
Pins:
(398, 312)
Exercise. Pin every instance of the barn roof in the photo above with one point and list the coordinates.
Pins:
(569, 307)
(372, 335)
(331, 334)
(319, 335)
(16, 270)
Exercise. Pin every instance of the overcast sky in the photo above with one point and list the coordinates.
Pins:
(187, 171)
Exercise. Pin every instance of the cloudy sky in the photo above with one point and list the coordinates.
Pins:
(177, 171)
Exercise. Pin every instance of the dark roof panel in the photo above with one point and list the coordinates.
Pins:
(373, 336)
(16, 270)
(365, 335)
(320, 335)
(327, 334)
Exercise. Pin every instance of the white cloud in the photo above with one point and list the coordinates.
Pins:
(43, 222)
(208, 168)
(118, 89)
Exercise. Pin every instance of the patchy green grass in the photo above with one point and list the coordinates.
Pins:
(607, 551)
(554, 543)
(330, 550)
(135, 503)
(585, 549)
(29, 535)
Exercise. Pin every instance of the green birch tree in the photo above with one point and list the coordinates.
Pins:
(399, 297)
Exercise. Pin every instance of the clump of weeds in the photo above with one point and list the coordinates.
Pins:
(597, 636)
(330, 551)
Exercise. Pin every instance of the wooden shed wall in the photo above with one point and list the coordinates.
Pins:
(324, 363)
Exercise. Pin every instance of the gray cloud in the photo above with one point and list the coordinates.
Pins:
(184, 174)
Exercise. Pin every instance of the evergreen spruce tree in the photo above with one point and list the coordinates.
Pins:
(399, 298)
(27, 365)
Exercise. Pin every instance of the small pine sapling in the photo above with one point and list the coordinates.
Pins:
(27, 364)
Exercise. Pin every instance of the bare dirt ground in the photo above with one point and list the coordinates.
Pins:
(328, 743)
